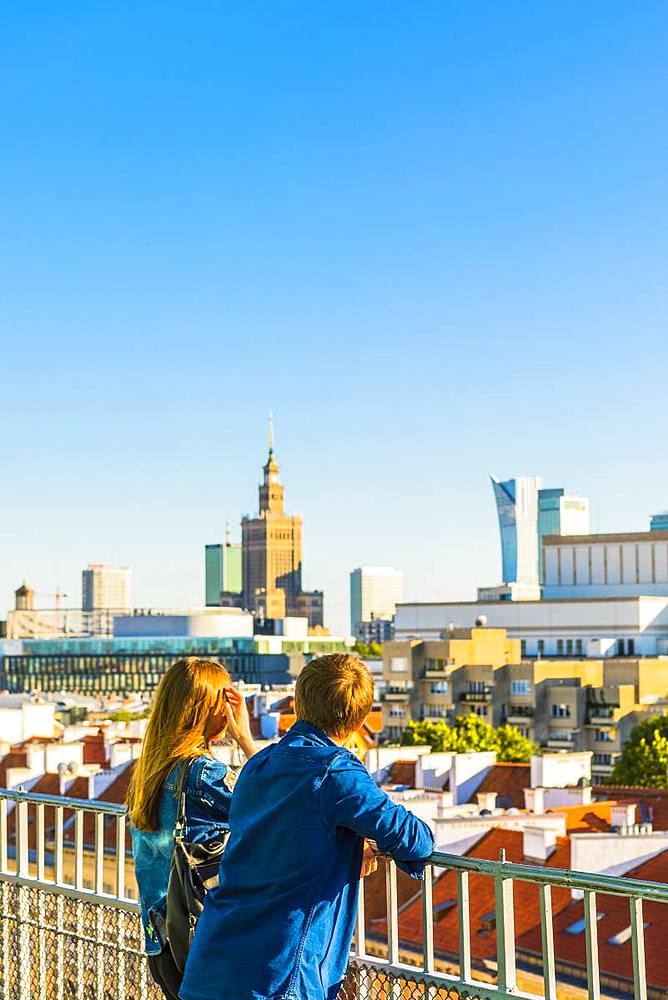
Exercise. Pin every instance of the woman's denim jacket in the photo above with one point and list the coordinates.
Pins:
(207, 811)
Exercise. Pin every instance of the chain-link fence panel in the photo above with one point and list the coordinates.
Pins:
(55, 947)
(366, 982)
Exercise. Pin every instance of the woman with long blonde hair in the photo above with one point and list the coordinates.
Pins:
(194, 704)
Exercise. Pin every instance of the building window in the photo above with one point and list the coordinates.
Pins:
(523, 648)
(541, 647)
(398, 664)
(604, 736)
(560, 647)
(561, 711)
(605, 759)
(520, 687)
(630, 647)
(396, 712)
(438, 687)
(579, 647)
(476, 687)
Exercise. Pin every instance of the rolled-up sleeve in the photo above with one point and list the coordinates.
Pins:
(350, 798)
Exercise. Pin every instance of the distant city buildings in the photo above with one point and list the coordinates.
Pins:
(598, 627)
(527, 514)
(104, 587)
(562, 704)
(612, 565)
(271, 558)
(375, 592)
(223, 571)
(659, 522)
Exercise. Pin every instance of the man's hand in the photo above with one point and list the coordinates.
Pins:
(369, 860)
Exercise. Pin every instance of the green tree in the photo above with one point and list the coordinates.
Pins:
(368, 650)
(470, 732)
(644, 759)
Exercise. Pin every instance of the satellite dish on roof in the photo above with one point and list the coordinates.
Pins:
(481, 621)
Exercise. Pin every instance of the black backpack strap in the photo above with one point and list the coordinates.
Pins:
(180, 826)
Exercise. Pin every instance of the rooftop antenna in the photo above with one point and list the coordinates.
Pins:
(271, 432)
(228, 533)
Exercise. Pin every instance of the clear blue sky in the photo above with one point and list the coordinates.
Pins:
(432, 237)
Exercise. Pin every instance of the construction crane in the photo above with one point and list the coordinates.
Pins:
(57, 597)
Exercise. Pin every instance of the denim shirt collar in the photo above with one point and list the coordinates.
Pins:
(301, 728)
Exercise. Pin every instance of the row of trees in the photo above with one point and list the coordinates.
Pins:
(643, 762)
(644, 759)
(467, 733)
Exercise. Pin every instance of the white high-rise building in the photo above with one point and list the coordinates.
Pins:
(375, 592)
(105, 587)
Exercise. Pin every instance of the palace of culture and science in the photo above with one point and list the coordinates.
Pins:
(269, 559)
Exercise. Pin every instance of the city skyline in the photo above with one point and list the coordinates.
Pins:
(433, 242)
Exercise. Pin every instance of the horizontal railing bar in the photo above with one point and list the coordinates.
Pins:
(608, 884)
(91, 805)
(474, 987)
(86, 895)
(557, 877)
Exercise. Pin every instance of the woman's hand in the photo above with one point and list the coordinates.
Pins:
(238, 721)
(369, 860)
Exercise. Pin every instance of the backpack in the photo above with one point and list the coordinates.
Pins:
(194, 870)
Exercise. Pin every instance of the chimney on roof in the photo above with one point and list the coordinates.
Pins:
(538, 843)
(623, 816)
(90, 789)
(534, 800)
(486, 800)
(66, 774)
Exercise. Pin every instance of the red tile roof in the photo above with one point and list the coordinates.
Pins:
(652, 802)
(482, 900)
(509, 782)
(616, 960)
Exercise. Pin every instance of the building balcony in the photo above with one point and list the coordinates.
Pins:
(519, 713)
(477, 696)
(66, 940)
(396, 694)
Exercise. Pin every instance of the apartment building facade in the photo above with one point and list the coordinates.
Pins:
(561, 704)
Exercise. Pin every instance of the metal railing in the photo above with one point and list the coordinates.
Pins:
(66, 932)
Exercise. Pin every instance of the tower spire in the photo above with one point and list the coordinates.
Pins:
(271, 433)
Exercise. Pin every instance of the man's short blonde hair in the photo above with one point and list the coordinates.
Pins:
(334, 693)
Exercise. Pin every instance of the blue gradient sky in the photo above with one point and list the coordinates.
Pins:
(431, 236)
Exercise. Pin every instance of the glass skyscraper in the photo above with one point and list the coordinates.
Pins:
(527, 513)
(517, 508)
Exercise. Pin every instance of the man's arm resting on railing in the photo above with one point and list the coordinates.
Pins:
(350, 798)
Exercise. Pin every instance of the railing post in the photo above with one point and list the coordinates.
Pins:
(591, 940)
(3, 834)
(120, 856)
(360, 927)
(464, 916)
(392, 912)
(505, 932)
(21, 832)
(427, 921)
(547, 938)
(638, 947)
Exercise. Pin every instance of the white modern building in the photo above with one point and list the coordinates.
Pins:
(617, 565)
(105, 587)
(594, 627)
(196, 622)
(375, 592)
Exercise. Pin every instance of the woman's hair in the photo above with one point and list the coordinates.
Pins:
(188, 695)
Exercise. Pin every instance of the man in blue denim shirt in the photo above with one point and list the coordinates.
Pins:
(281, 921)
